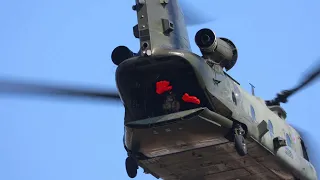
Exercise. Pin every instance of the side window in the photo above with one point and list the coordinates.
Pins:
(253, 113)
(236, 90)
(270, 128)
(288, 139)
(234, 99)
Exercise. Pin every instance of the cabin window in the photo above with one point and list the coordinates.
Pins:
(234, 99)
(270, 128)
(253, 113)
(236, 94)
(288, 139)
(236, 90)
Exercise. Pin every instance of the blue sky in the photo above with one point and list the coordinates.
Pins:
(71, 42)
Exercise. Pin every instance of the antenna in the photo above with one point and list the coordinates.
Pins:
(252, 88)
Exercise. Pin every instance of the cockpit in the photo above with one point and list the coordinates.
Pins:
(279, 111)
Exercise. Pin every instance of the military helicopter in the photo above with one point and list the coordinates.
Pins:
(185, 117)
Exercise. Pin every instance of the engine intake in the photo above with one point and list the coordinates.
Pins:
(220, 50)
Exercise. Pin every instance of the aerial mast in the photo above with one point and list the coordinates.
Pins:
(252, 89)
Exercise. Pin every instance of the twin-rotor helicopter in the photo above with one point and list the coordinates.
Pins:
(185, 117)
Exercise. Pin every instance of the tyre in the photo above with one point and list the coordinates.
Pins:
(131, 167)
(240, 145)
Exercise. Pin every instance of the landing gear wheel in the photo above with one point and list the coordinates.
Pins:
(239, 141)
(131, 167)
(240, 145)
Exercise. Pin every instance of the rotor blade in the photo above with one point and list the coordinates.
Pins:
(313, 74)
(310, 77)
(192, 15)
(14, 87)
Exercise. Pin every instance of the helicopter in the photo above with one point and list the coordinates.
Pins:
(165, 88)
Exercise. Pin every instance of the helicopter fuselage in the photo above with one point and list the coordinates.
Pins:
(151, 131)
(185, 117)
(186, 130)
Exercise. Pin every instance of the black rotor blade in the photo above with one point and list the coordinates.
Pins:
(309, 78)
(14, 87)
(192, 15)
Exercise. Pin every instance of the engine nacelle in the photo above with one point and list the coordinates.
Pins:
(220, 50)
(121, 53)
